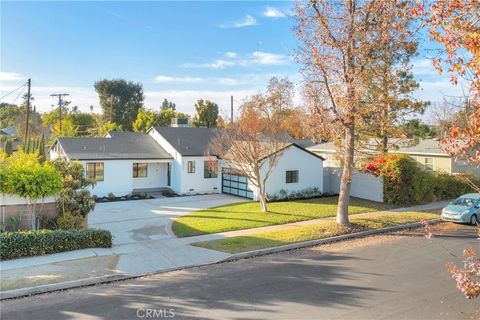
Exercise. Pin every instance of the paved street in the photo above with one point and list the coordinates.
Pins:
(383, 277)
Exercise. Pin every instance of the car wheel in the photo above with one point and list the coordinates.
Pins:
(473, 219)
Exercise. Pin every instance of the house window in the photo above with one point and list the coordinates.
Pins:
(210, 169)
(429, 164)
(191, 166)
(140, 170)
(95, 171)
(292, 176)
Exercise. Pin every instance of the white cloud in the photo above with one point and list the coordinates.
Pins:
(185, 99)
(254, 58)
(247, 21)
(424, 67)
(231, 54)
(217, 64)
(177, 79)
(273, 12)
(11, 76)
(266, 58)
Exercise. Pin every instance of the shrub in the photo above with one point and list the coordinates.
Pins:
(295, 195)
(68, 221)
(111, 196)
(39, 242)
(404, 183)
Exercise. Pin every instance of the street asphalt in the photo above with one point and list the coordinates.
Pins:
(399, 276)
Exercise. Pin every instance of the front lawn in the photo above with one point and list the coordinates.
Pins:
(292, 234)
(247, 215)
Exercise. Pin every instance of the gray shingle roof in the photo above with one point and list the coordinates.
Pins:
(9, 131)
(427, 146)
(121, 145)
(188, 141)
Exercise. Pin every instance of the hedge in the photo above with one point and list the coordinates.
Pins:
(404, 183)
(39, 242)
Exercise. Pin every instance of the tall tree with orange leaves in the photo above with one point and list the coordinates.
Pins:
(455, 24)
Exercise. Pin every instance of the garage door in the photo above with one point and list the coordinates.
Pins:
(236, 184)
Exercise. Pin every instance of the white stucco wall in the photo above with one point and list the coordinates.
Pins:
(118, 177)
(176, 171)
(156, 176)
(310, 172)
(8, 200)
(183, 182)
(196, 182)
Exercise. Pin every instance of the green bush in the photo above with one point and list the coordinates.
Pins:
(68, 221)
(404, 183)
(39, 242)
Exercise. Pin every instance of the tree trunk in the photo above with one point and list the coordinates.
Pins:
(345, 182)
(383, 130)
(262, 199)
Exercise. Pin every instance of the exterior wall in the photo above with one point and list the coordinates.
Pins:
(440, 164)
(310, 172)
(364, 185)
(183, 182)
(176, 170)
(118, 177)
(156, 176)
(11, 206)
(196, 182)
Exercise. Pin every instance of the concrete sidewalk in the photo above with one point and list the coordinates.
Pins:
(126, 259)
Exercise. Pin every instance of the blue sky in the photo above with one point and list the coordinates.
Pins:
(180, 50)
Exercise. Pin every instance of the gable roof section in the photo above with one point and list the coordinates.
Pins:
(120, 145)
(188, 141)
(424, 146)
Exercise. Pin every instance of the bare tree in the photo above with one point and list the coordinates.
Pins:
(252, 147)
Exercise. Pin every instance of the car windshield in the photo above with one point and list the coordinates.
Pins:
(468, 202)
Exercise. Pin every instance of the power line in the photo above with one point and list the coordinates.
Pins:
(21, 91)
(23, 85)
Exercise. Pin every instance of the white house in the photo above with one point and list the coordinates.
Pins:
(176, 158)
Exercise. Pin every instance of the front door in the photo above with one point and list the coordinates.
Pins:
(169, 173)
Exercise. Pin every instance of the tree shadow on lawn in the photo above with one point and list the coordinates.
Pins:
(262, 285)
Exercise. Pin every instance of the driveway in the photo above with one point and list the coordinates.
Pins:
(146, 220)
(142, 241)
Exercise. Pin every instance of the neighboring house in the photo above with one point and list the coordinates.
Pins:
(10, 132)
(176, 158)
(427, 153)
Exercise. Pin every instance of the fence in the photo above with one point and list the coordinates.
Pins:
(364, 185)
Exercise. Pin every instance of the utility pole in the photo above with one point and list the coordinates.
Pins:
(60, 105)
(27, 120)
(231, 109)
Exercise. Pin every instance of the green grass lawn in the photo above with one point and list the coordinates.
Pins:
(291, 234)
(247, 215)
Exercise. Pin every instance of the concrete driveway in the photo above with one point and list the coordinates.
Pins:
(142, 240)
(146, 220)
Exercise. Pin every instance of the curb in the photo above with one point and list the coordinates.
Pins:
(30, 291)
(311, 243)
